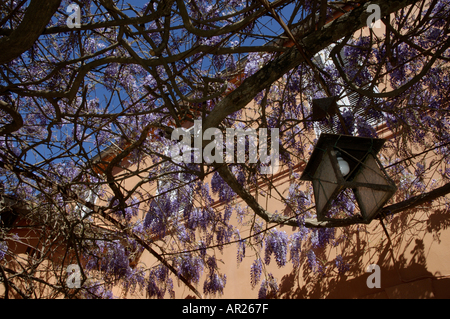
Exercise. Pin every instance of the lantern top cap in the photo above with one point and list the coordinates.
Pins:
(340, 142)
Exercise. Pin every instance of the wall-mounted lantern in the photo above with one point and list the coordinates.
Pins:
(340, 162)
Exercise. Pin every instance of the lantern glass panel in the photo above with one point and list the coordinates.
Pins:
(371, 199)
(324, 183)
(371, 173)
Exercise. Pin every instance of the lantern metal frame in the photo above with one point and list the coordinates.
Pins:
(370, 183)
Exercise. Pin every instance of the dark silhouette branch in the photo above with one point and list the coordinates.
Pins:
(37, 16)
(17, 120)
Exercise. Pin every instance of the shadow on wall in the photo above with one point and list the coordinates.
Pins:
(402, 259)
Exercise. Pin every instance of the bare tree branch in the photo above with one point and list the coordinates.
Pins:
(37, 16)
(17, 122)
